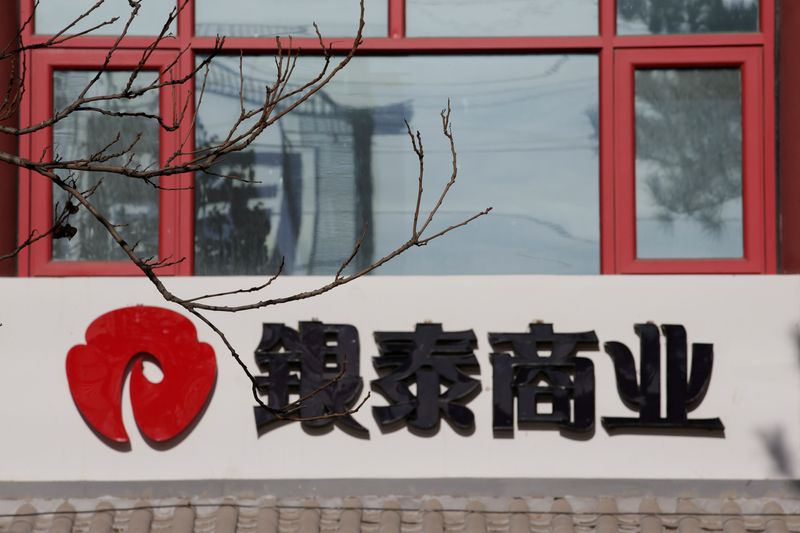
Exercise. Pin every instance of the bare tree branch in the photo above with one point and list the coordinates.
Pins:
(59, 229)
(115, 158)
(60, 37)
(257, 288)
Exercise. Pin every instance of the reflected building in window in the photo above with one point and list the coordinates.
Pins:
(341, 163)
(303, 200)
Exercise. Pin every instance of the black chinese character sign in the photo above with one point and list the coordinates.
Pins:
(319, 363)
(435, 362)
(560, 379)
(644, 395)
(541, 379)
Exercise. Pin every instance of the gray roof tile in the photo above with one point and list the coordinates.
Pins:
(607, 521)
(25, 519)
(650, 521)
(386, 515)
(390, 518)
(732, 520)
(774, 523)
(562, 521)
(688, 516)
(103, 518)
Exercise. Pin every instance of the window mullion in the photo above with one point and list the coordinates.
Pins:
(397, 19)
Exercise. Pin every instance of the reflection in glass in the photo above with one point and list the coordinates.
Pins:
(262, 18)
(123, 200)
(526, 144)
(688, 163)
(459, 18)
(644, 17)
(53, 15)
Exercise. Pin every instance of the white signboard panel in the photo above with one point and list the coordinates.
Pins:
(754, 387)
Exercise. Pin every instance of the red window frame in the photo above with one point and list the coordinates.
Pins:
(748, 60)
(40, 189)
(616, 242)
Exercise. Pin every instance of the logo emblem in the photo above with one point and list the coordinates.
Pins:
(122, 340)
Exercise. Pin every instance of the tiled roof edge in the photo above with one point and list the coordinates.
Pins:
(425, 514)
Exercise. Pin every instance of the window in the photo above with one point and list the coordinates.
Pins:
(627, 136)
(645, 17)
(145, 211)
(523, 125)
(690, 194)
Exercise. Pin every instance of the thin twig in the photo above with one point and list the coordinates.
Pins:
(280, 99)
(242, 291)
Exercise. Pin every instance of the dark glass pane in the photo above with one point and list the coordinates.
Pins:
(644, 17)
(53, 15)
(124, 200)
(459, 18)
(527, 145)
(264, 18)
(688, 163)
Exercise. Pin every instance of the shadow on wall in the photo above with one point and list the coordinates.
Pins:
(776, 442)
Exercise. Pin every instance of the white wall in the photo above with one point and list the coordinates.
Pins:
(755, 386)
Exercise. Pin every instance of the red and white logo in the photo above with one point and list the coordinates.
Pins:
(122, 340)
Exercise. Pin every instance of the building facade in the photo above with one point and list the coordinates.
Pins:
(613, 347)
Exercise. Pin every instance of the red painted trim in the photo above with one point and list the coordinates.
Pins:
(397, 19)
(617, 209)
(41, 263)
(693, 40)
(749, 60)
(8, 144)
(767, 17)
(184, 214)
(423, 43)
(86, 268)
(770, 139)
(790, 136)
(691, 266)
(184, 219)
(169, 197)
(25, 177)
(415, 44)
(624, 150)
(107, 41)
(608, 19)
(25, 12)
(23, 216)
(185, 24)
(608, 23)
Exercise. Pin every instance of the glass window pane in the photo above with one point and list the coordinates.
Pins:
(124, 200)
(525, 128)
(645, 17)
(459, 18)
(53, 15)
(264, 18)
(688, 163)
